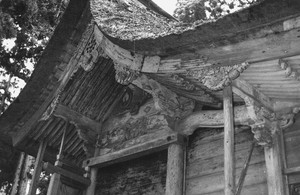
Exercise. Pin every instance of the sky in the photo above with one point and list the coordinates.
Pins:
(167, 5)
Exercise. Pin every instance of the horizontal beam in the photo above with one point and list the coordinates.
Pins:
(243, 89)
(77, 118)
(292, 170)
(211, 119)
(136, 151)
(49, 168)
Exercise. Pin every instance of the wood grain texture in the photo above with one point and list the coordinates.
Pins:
(205, 163)
(229, 171)
(175, 170)
(274, 167)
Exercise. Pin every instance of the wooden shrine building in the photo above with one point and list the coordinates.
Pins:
(124, 101)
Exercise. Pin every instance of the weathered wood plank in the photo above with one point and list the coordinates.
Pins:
(175, 170)
(148, 147)
(228, 142)
(274, 167)
(55, 169)
(215, 181)
(80, 120)
(37, 168)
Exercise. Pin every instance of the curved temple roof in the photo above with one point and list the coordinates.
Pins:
(74, 84)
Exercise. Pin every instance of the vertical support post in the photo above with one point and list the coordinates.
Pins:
(274, 167)
(18, 174)
(94, 171)
(229, 187)
(175, 170)
(25, 180)
(55, 178)
(37, 168)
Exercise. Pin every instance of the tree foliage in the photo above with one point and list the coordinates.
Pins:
(189, 11)
(28, 25)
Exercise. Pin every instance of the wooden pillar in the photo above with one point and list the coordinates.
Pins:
(274, 167)
(18, 174)
(55, 178)
(94, 171)
(175, 170)
(25, 180)
(229, 187)
(37, 168)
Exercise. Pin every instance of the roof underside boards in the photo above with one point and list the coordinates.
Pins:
(90, 93)
(278, 83)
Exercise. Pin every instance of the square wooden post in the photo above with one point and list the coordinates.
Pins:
(229, 168)
(175, 169)
(37, 168)
(274, 167)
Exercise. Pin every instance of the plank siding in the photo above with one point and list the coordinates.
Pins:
(205, 163)
(142, 176)
(292, 148)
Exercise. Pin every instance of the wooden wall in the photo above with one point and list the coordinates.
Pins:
(292, 148)
(142, 176)
(205, 163)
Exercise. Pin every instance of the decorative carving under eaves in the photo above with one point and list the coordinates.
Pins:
(216, 78)
(289, 72)
(265, 122)
(92, 51)
(47, 114)
(125, 75)
(165, 100)
(183, 82)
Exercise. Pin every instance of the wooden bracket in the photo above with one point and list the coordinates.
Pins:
(261, 110)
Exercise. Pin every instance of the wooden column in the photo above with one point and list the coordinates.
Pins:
(274, 167)
(37, 168)
(18, 174)
(94, 172)
(55, 178)
(175, 170)
(229, 187)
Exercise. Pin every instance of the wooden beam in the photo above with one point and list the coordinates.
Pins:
(243, 89)
(211, 119)
(136, 151)
(77, 118)
(229, 167)
(292, 170)
(274, 167)
(175, 169)
(37, 168)
(55, 169)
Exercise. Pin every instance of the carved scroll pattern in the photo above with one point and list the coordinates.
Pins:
(216, 78)
(91, 52)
